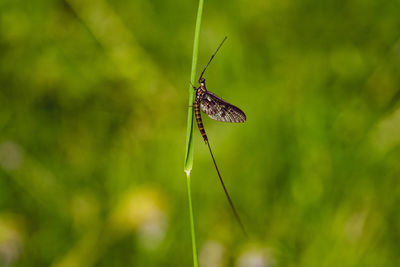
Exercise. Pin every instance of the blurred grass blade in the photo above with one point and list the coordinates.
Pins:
(192, 231)
(189, 133)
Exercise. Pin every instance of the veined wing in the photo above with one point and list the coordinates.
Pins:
(218, 109)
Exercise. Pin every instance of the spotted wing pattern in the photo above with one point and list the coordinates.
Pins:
(218, 109)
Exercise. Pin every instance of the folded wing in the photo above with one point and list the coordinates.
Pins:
(218, 109)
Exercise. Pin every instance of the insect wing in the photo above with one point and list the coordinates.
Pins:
(218, 109)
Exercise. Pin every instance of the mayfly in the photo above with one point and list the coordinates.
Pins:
(218, 109)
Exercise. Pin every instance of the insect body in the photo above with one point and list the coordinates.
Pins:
(218, 109)
(215, 107)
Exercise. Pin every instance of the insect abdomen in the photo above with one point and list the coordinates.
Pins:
(199, 120)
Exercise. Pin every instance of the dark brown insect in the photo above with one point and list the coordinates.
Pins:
(215, 107)
(218, 109)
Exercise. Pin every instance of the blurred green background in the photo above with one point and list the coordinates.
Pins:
(93, 109)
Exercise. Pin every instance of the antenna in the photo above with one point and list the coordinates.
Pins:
(212, 57)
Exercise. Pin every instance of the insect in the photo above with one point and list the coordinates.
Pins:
(218, 109)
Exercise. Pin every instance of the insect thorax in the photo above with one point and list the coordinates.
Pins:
(200, 91)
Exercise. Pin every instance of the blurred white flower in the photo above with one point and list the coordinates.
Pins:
(142, 211)
(254, 257)
(212, 254)
(11, 155)
(355, 226)
(10, 241)
(152, 232)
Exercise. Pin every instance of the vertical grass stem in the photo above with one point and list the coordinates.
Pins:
(189, 133)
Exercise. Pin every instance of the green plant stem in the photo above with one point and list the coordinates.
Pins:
(194, 247)
(189, 133)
